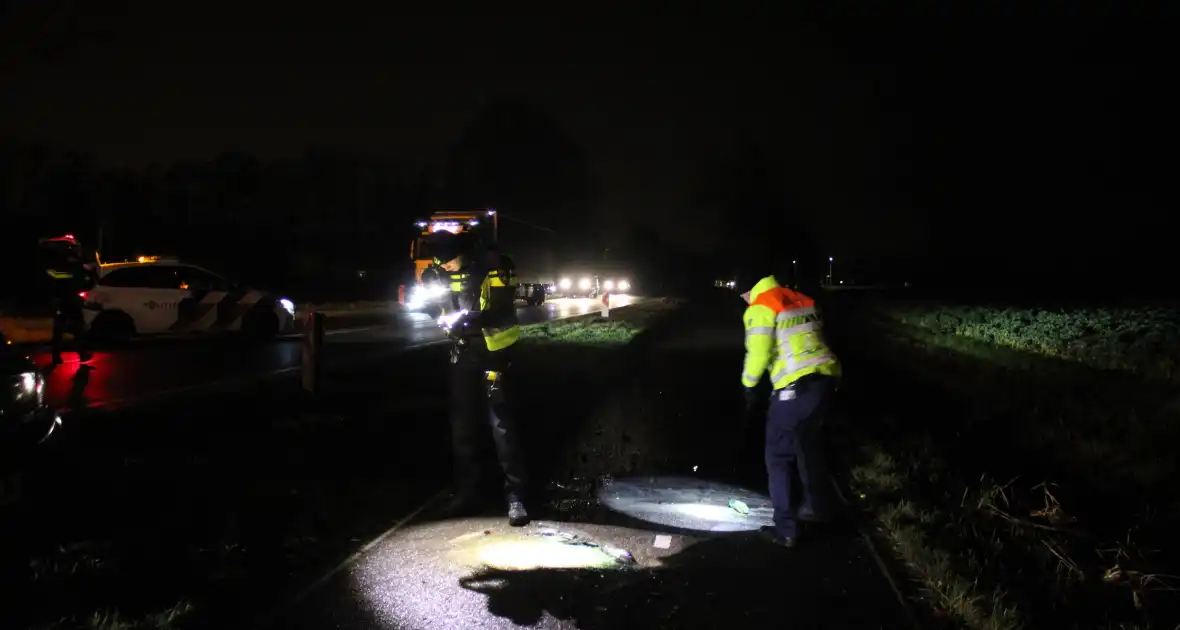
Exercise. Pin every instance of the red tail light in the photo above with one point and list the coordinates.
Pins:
(83, 294)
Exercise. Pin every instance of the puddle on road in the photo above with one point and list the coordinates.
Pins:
(522, 550)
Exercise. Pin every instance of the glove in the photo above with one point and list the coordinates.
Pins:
(451, 321)
(752, 398)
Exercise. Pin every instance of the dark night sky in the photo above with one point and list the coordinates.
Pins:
(878, 117)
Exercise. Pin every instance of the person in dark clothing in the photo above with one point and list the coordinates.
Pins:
(71, 278)
(484, 330)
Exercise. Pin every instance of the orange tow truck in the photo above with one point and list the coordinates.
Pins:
(425, 292)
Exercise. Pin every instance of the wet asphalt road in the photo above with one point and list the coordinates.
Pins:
(689, 559)
(151, 368)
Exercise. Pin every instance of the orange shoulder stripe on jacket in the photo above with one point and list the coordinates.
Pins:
(781, 299)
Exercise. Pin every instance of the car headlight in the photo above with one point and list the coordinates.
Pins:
(28, 387)
(584, 284)
(624, 285)
(566, 283)
(608, 285)
(287, 305)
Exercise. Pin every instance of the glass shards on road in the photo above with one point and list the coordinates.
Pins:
(688, 503)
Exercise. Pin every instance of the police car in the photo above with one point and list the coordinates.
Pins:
(154, 295)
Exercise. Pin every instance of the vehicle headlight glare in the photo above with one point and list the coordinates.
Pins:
(584, 284)
(566, 283)
(287, 305)
(29, 386)
(608, 285)
(624, 285)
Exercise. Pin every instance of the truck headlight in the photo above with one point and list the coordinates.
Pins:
(608, 285)
(584, 284)
(566, 283)
(287, 305)
(422, 294)
(624, 285)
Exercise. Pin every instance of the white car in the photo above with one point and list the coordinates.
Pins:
(155, 296)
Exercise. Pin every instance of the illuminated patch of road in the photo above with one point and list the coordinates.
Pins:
(442, 574)
(687, 503)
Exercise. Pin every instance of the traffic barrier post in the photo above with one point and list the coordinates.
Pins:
(313, 343)
(606, 304)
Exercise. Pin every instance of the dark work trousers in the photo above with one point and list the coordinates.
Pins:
(481, 405)
(67, 318)
(794, 441)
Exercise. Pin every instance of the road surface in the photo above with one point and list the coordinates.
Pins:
(153, 367)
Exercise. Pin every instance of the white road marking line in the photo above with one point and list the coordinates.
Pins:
(881, 566)
(345, 331)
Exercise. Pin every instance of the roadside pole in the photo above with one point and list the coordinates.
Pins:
(313, 342)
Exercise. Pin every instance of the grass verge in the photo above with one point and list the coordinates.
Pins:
(1022, 488)
(621, 327)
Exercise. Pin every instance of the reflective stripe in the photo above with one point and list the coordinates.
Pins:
(802, 311)
(793, 366)
(784, 334)
(789, 324)
(750, 381)
(760, 330)
(59, 275)
(500, 338)
(457, 279)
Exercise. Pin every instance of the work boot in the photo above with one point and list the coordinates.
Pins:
(772, 536)
(517, 515)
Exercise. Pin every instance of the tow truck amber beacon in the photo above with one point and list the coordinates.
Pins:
(426, 291)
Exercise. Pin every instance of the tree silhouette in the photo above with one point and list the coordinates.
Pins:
(517, 159)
